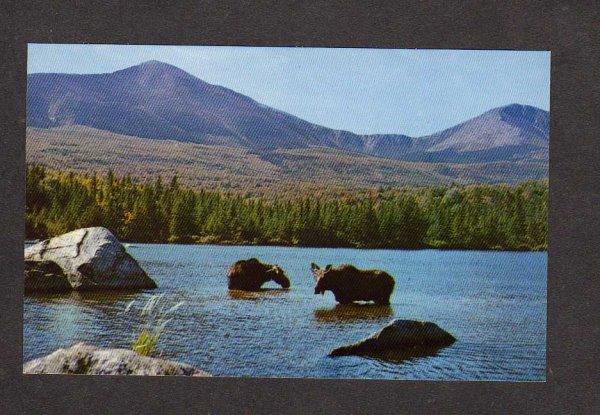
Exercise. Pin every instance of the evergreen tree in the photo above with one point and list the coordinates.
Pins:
(470, 217)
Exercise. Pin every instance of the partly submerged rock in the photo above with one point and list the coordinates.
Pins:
(91, 258)
(45, 276)
(403, 337)
(83, 359)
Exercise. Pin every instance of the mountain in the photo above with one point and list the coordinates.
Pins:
(161, 101)
(505, 133)
(158, 101)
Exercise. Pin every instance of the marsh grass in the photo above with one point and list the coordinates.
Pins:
(155, 315)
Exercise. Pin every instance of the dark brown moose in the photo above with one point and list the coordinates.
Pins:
(350, 284)
(251, 274)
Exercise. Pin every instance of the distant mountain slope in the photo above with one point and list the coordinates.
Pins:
(160, 101)
(505, 133)
(300, 171)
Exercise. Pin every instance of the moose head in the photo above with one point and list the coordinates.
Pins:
(279, 276)
(319, 275)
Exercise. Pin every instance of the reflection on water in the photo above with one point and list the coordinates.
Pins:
(105, 297)
(494, 303)
(256, 295)
(349, 312)
(402, 356)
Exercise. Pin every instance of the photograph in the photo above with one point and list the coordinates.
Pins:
(286, 212)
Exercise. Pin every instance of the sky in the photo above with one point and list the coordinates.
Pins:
(367, 91)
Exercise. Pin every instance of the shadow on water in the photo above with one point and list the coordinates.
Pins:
(256, 295)
(401, 356)
(353, 312)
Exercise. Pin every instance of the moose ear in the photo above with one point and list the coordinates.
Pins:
(328, 267)
(314, 266)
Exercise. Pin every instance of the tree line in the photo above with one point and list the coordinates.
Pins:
(459, 217)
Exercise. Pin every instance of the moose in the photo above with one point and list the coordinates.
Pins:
(251, 274)
(350, 284)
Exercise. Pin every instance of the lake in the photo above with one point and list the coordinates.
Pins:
(494, 303)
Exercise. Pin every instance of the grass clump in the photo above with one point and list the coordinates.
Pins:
(155, 315)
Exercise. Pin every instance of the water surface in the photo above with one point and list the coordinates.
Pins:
(493, 302)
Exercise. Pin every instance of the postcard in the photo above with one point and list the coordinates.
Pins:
(286, 212)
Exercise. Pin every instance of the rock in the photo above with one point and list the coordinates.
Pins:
(83, 359)
(251, 274)
(406, 337)
(91, 258)
(45, 276)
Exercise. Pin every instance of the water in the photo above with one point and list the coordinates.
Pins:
(493, 302)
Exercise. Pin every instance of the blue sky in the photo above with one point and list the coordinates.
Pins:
(404, 91)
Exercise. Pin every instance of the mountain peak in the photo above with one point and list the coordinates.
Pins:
(153, 68)
(515, 106)
(156, 64)
(527, 116)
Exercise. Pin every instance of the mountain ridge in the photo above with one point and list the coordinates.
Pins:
(161, 101)
(157, 119)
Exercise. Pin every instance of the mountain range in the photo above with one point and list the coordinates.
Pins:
(154, 101)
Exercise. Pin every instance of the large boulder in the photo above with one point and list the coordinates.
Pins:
(403, 337)
(45, 276)
(251, 274)
(91, 258)
(83, 359)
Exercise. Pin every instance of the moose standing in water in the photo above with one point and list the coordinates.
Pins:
(251, 274)
(349, 283)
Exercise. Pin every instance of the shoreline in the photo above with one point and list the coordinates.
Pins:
(282, 245)
(423, 248)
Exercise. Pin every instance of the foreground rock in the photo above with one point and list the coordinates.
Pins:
(251, 274)
(404, 337)
(44, 276)
(349, 283)
(90, 258)
(83, 359)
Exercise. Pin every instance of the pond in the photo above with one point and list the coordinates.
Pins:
(494, 303)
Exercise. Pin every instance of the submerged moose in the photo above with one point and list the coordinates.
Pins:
(251, 274)
(347, 282)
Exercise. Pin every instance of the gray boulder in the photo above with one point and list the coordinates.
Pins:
(83, 359)
(91, 258)
(403, 337)
(45, 276)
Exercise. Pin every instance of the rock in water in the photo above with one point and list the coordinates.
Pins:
(45, 276)
(83, 359)
(405, 337)
(91, 258)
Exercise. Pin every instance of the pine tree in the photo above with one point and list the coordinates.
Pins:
(476, 216)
